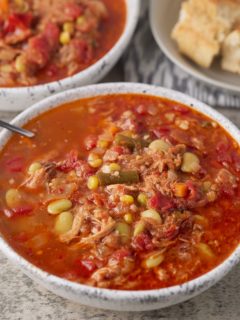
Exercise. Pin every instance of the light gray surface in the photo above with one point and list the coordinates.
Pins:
(22, 299)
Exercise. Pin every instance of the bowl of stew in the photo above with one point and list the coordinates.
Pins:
(47, 47)
(128, 197)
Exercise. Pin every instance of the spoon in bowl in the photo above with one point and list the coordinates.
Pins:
(18, 130)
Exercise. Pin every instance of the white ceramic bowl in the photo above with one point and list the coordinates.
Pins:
(16, 99)
(163, 16)
(118, 299)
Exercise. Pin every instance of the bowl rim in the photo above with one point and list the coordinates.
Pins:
(199, 283)
(193, 71)
(132, 14)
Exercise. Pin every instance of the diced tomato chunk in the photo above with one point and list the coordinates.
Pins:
(121, 254)
(236, 161)
(18, 21)
(73, 10)
(120, 150)
(52, 70)
(159, 201)
(229, 192)
(38, 50)
(83, 50)
(51, 33)
(162, 131)
(84, 268)
(41, 47)
(21, 237)
(15, 164)
(222, 152)
(193, 191)
(70, 163)
(142, 110)
(140, 127)
(142, 242)
(181, 109)
(171, 232)
(22, 211)
(90, 142)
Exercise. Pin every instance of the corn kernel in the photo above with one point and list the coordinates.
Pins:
(81, 20)
(59, 206)
(114, 167)
(68, 27)
(93, 183)
(211, 196)
(94, 160)
(64, 37)
(96, 163)
(128, 218)
(142, 199)
(127, 199)
(206, 186)
(13, 198)
(34, 167)
(18, 2)
(180, 190)
(20, 64)
(103, 144)
(21, 4)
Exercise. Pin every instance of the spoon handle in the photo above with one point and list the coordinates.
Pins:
(21, 131)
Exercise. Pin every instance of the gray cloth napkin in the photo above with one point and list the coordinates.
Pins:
(145, 62)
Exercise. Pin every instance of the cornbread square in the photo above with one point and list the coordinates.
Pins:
(202, 27)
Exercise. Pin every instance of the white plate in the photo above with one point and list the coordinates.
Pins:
(163, 16)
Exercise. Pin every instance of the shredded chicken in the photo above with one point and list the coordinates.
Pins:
(90, 240)
(105, 276)
(40, 176)
(224, 177)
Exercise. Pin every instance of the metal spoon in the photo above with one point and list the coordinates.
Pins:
(12, 128)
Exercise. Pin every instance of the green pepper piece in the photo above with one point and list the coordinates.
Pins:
(125, 141)
(130, 143)
(127, 177)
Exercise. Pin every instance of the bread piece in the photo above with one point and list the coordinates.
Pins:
(202, 27)
(231, 52)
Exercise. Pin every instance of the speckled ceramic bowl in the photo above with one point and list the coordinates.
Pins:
(16, 99)
(118, 299)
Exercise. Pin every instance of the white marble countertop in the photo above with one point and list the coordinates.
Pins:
(22, 299)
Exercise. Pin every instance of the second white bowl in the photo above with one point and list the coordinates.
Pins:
(16, 99)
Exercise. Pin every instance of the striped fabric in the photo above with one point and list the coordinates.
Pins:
(145, 62)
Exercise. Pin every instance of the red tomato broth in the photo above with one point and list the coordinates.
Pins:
(108, 32)
(32, 235)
